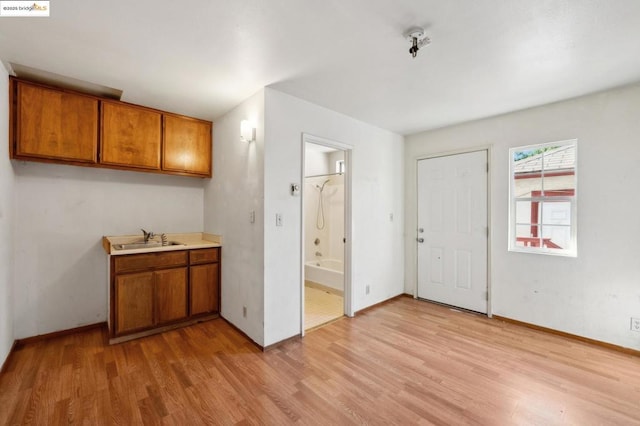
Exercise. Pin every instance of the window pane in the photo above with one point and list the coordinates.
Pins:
(559, 158)
(556, 213)
(556, 237)
(527, 236)
(527, 172)
(524, 214)
(560, 183)
(527, 186)
(559, 164)
(526, 231)
(542, 191)
(528, 160)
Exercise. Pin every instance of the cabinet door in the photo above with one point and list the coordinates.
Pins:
(54, 124)
(171, 295)
(187, 145)
(134, 302)
(131, 136)
(205, 297)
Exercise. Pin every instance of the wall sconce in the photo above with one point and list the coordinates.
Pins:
(247, 131)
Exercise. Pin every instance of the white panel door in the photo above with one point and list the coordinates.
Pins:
(452, 230)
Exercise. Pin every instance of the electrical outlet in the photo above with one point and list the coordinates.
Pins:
(367, 289)
(278, 219)
(244, 311)
(635, 324)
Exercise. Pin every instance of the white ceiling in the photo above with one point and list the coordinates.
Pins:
(203, 57)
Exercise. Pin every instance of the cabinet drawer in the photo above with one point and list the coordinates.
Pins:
(204, 256)
(141, 262)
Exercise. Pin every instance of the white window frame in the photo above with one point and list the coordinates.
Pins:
(571, 251)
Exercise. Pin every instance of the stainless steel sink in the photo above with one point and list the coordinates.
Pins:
(142, 245)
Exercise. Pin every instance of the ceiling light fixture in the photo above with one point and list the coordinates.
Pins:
(417, 39)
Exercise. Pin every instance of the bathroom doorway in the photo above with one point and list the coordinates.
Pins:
(325, 189)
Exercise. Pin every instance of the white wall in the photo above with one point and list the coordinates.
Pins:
(236, 189)
(595, 294)
(61, 214)
(6, 223)
(377, 182)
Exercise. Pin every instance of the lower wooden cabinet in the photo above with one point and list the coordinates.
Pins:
(171, 295)
(152, 292)
(134, 301)
(204, 281)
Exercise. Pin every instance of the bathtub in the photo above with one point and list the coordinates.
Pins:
(328, 272)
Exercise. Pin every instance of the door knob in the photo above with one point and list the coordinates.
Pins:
(420, 240)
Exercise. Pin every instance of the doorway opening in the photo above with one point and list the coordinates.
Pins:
(325, 227)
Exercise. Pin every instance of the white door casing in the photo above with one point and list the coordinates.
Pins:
(453, 228)
(348, 223)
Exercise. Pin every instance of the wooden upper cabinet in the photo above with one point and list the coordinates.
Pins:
(186, 145)
(51, 124)
(54, 124)
(131, 136)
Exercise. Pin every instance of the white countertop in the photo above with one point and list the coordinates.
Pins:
(188, 241)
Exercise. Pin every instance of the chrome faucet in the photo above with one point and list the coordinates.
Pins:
(147, 235)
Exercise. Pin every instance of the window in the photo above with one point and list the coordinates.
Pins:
(542, 211)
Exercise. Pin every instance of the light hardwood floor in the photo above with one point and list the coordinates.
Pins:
(404, 362)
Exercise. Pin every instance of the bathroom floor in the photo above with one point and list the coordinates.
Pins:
(322, 305)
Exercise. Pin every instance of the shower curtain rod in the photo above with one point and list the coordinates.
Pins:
(328, 174)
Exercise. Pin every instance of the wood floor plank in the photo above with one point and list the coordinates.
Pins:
(404, 362)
